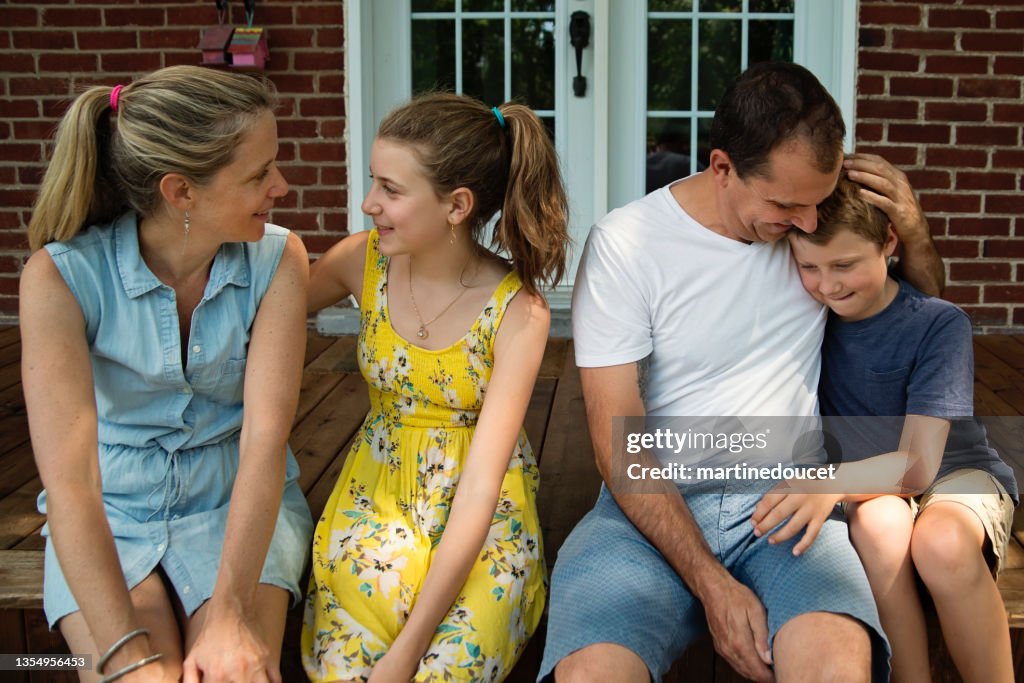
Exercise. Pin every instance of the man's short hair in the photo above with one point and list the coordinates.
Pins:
(769, 104)
(846, 209)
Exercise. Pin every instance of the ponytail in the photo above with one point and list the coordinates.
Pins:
(504, 156)
(534, 216)
(76, 188)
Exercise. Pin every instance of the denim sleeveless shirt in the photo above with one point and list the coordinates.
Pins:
(168, 435)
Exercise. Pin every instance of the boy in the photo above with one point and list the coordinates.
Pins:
(890, 350)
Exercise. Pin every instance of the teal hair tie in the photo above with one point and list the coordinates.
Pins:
(501, 119)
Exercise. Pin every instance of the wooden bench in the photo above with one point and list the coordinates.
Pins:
(331, 407)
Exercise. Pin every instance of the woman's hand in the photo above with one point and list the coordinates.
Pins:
(229, 649)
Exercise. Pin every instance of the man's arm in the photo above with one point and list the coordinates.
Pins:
(890, 191)
(735, 616)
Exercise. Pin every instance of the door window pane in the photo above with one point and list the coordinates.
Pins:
(770, 40)
(668, 151)
(721, 5)
(669, 48)
(433, 55)
(670, 5)
(483, 59)
(483, 5)
(433, 5)
(719, 59)
(533, 5)
(771, 5)
(533, 62)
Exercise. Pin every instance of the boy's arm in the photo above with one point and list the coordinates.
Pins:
(890, 191)
(808, 503)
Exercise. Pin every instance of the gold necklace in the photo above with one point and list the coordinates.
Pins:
(422, 331)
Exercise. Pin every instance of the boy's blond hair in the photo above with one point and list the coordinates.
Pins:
(845, 209)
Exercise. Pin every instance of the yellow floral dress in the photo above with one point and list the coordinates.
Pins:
(384, 520)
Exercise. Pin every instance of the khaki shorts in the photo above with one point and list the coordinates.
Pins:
(985, 496)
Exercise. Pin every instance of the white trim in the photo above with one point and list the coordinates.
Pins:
(356, 104)
(825, 41)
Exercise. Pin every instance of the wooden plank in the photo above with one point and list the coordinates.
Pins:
(18, 515)
(1008, 348)
(340, 356)
(991, 371)
(41, 640)
(13, 432)
(569, 480)
(536, 422)
(9, 334)
(10, 354)
(21, 579)
(315, 345)
(318, 439)
(10, 375)
(12, 626)
(314, 388)
(16, 468)
(554, 358)
(12, 399)
(987, 403)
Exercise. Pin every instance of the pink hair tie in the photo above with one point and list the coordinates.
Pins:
(114, 94)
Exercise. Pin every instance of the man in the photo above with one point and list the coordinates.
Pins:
(688, 303)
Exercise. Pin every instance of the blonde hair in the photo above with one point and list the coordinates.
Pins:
(845, 209)
(182, 119)
(510, 166)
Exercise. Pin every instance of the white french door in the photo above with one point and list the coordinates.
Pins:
(654, 71)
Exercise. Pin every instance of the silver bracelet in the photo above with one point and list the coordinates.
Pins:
(117, 646)
(131, 667)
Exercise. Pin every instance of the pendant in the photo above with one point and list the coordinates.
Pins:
(422, 332)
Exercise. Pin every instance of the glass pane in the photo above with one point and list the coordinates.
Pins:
(703, 146)
(533, 62)
(770, 40)
(669, 5)
(483, 5)
(549, 124)
(721, 5)
(433, 55)
(719, 59)
(668, 151)
(668, 64)
(771, 5)
(533, 5)
(483, 59)
(433, 5)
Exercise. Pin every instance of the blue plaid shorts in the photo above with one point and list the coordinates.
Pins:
(610, 585)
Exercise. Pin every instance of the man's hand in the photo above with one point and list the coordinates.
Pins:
(802, 509)
(890, 191)
(739, 628)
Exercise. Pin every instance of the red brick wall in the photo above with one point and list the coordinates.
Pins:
(939, 94)
(50, 48)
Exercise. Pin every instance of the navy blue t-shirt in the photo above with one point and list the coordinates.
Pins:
(914, 357)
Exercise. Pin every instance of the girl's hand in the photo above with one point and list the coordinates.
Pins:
(397, 666)
(228, 649)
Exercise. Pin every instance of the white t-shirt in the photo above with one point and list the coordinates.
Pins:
(729, 328)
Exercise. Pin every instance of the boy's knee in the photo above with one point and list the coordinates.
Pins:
(946, 553)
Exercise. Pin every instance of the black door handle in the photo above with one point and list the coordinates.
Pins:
(579, 38)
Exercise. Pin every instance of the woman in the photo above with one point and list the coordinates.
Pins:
(163, 329)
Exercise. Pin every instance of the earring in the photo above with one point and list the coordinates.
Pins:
(452, 239)
(188, 227)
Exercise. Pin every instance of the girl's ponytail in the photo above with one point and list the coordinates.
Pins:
(534, 215)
